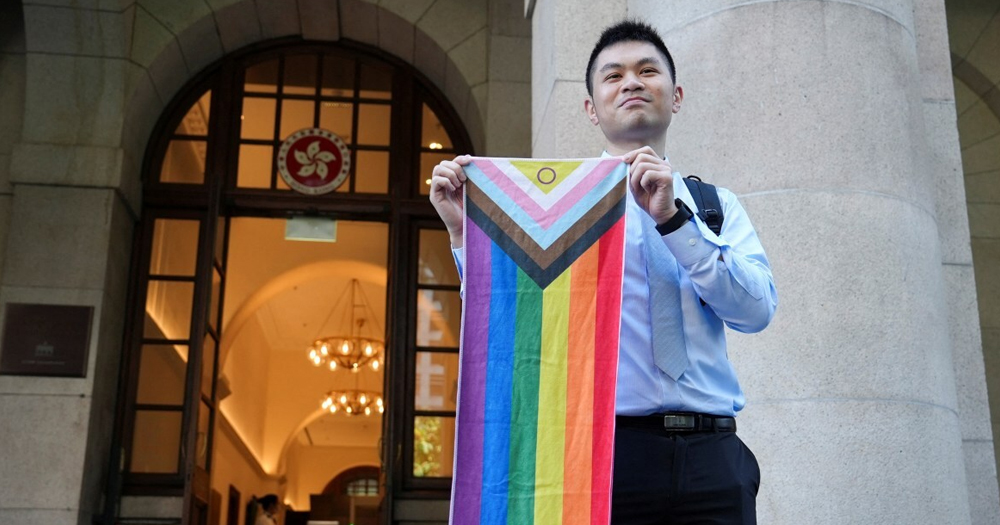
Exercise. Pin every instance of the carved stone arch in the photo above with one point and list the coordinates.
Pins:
(170, 49)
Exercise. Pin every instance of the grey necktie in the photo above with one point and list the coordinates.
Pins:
(669, 350)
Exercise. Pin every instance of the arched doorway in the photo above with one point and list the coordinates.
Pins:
(229, 288)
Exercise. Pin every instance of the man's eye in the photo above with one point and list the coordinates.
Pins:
(648, 70)
(612, 76)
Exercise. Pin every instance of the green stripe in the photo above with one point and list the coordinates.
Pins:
(524, 403)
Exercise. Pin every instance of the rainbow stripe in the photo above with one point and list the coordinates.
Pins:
(534, 442)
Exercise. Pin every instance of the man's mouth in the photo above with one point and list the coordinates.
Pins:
(632, 101)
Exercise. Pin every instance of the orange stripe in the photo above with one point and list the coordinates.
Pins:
(579, 390)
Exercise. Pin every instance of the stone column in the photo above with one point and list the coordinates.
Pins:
(68, 242)
(813, 112)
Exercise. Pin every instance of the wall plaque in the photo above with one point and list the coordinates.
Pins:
(46, 340)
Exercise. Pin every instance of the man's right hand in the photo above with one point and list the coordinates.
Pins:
(446, 195)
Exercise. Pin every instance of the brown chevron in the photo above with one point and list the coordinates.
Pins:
(545, 257)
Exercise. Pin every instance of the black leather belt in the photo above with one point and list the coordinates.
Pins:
(679, 422)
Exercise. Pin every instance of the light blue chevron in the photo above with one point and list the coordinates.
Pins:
(544, 237)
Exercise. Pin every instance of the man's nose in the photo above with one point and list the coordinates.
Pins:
(632, 83)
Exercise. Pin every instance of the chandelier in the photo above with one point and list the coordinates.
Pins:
(361, 347)
(353, 402)
(357, 349)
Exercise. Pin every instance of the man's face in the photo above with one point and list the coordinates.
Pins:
(634, 98)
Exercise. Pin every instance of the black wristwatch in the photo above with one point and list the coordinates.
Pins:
(683, 215)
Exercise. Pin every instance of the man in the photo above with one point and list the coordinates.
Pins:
(268, 511)
(677, 457)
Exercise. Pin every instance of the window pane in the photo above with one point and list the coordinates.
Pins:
(439, 316)
(201, 443)
(262, 78)
(432, 133)
(373, 124)
(363, 487)
(300, 75)
(258, 118)
(372, 172)
(184, 162)
(220, 239)
(338, 77)
(295, 115)
(427, 163)
(195, 122)
(207, 365)
(254, 168)
(156, 442)
(168, 310)
(162, 369)
(433, 443)
(436, 380)
(175, 247)
(436, 264)
(337, 117)
(213, 306)
(376, 82)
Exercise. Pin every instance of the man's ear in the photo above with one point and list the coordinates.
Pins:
(588, 107)
(678, 98)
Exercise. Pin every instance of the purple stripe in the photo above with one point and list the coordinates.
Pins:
(471, 404)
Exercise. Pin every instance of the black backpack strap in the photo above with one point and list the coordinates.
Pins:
(706, 197)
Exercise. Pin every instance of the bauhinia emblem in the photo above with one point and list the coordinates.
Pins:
(314, 161)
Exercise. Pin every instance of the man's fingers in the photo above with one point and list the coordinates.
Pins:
(632, 155)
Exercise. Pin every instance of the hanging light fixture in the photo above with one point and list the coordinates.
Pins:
(353, 402)
(361, 347)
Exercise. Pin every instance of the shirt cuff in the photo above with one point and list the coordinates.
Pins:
(459, 254)
(689, 245)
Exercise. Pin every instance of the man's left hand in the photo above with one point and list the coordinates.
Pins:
(652, 181)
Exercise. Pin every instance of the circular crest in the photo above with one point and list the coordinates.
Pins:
(314, 161)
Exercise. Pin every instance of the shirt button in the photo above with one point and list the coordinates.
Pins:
(692, 241)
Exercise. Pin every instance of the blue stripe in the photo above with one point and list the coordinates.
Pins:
(499, 380)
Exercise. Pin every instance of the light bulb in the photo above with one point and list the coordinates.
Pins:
(312, 354)
(375, 365)
(363, 399)
(368, 349)
(345, 349)
(368, 411)
(381, 409)
(348, 409)
(333, 365)
(325, 350)
(343, 399)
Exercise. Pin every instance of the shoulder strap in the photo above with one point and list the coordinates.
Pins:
(706, 196)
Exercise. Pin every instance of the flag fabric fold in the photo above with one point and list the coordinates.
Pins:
(543, 262)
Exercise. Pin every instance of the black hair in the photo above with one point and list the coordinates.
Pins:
(268, 501)
(628, 31)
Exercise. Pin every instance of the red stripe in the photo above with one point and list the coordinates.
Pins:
(609, 291)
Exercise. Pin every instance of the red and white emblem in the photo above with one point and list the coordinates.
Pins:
(314, 161)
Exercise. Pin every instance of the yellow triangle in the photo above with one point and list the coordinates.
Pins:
(545, 174)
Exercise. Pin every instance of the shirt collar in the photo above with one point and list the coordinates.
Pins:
(605, 155)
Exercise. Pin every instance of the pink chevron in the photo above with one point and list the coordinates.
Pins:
(542, 217)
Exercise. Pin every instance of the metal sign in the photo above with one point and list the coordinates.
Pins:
(46, 340)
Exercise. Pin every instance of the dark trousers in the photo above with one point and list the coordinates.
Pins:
(678, 478)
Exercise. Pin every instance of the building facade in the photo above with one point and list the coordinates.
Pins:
(142, 145)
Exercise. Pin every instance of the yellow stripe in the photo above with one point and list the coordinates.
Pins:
(551, 447)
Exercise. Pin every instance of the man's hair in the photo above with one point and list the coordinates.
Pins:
(268, 501)
(628, 31)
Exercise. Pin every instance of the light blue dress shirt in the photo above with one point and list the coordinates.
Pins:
(730, 272)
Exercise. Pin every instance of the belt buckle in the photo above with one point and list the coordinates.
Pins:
(679, 421)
